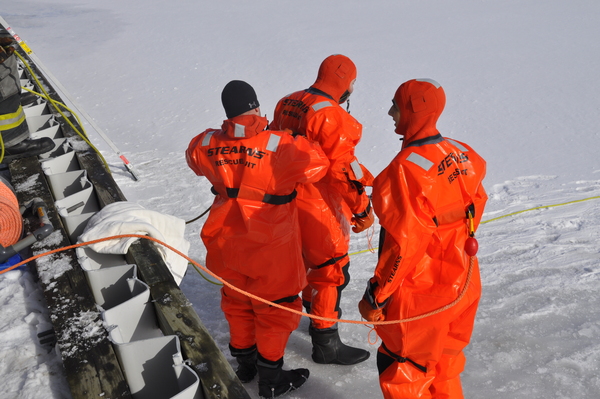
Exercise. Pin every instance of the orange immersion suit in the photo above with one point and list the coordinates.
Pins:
(326, 207)
(252, 234)
(422, 198)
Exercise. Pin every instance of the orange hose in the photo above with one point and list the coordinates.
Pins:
(374, 323)
(11, 223)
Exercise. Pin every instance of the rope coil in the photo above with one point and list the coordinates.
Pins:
(11, 224)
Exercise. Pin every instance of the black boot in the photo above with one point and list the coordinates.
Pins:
(28, 148)
(273, 381)
(329, 349)
(246, 359)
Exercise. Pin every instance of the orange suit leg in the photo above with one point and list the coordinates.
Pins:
(240, 316)
(402, 380)
(447, 383)
(274, 326)
(444, 366)
(326, 286)
(325, 240)
(253, 322)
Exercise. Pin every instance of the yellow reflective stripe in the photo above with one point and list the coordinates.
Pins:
(12, 120)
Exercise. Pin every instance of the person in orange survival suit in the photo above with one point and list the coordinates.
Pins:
(252, 235)
(328, 207)
(429, 200)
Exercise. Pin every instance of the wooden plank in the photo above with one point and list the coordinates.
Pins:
(105, 187)
(90, 363)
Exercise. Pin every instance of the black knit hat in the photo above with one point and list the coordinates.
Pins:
(238, 97)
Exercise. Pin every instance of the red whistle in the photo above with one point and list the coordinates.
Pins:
(471, 246)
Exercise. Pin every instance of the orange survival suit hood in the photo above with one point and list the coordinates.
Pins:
(336, 73)
(421, 102)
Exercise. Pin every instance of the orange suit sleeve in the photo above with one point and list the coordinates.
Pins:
(191, 154)
(302, 162)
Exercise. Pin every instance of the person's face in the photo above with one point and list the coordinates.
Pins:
(394, 112)
(347, 93)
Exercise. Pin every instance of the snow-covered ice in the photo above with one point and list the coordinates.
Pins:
(522, 89)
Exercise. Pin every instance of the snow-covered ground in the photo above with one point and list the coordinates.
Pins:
(522, 88)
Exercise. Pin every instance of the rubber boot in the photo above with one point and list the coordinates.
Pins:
(246, 359)
(328, 348)
(273, 381)
(28, 148)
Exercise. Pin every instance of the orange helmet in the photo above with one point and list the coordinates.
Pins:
(336, 73)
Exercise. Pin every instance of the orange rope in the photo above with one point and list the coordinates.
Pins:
(370, 233)
(11, 224)
(374, 323)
